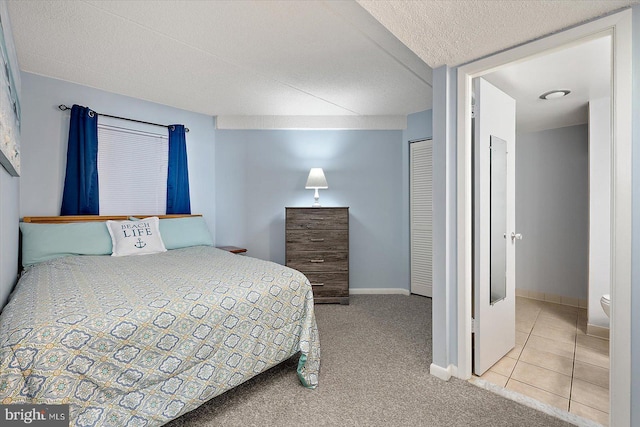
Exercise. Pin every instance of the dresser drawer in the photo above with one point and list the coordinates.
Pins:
(317, 219)
(311, 261)
(317, 240)
(329, 284)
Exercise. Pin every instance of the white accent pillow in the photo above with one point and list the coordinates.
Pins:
(136, 237)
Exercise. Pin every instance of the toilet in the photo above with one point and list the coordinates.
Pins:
(605, 302)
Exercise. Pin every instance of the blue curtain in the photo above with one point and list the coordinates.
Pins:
(80, 196)
(178, 201)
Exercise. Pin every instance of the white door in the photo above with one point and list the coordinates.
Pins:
(421, 195)
(494, 225)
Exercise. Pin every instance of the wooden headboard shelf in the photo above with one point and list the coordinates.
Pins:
(91, 218)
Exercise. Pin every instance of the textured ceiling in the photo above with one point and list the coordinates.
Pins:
(228, 58)
(456, 32)
(278, 64)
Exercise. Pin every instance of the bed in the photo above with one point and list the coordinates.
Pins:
(141, 340)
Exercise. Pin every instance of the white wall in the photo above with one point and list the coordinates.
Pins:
(599, 208)
(635, 251)
(45, 132)
(552, 211)
(259, 173)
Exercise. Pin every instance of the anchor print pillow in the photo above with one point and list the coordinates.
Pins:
(140, 237)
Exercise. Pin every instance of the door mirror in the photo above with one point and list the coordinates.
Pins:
(498, 223)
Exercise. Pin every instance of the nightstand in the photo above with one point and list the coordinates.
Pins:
(232, 249)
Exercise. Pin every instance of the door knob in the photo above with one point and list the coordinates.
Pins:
(515, 236)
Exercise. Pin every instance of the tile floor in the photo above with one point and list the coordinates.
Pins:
(555, 362)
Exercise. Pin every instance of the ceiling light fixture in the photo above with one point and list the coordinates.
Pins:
(555, 94)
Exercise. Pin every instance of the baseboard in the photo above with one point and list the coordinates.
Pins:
(443, 373)
(598, 331)
(378, 291)
(554, 298)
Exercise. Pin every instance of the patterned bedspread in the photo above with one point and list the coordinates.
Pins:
(140, 340)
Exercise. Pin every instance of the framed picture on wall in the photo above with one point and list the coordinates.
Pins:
(10, 114)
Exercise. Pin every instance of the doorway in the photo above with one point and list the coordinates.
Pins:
(620, 24)
(554, 360)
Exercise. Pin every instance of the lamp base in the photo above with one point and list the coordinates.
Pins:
(316, 197)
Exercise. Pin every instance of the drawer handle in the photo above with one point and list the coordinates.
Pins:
(317, 284)
(317, 240)
(316, 260)
(318, 218)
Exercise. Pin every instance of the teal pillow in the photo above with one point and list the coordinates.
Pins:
(184, 232)
(42, 242)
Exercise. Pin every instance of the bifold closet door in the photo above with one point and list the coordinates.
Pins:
(421, 222)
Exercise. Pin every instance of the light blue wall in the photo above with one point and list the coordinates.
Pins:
(9, 202)
(9, 187)
(419, 126)
(635, 251)
(252, 176)
(552, 211)
(444, 308)
(45, 131)
(259, 173)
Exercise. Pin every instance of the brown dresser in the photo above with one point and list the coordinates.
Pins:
(317, 244)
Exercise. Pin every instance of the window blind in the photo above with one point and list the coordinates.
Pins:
(132, 171)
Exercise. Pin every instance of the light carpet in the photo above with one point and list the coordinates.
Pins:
(376, 354)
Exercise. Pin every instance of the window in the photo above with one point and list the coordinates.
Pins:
(132, 171)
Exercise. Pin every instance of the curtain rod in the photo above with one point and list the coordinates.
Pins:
(63, 107)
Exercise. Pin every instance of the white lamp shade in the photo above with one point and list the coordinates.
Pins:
(316, 179)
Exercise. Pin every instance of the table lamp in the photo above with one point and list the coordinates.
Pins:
(315, 181)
